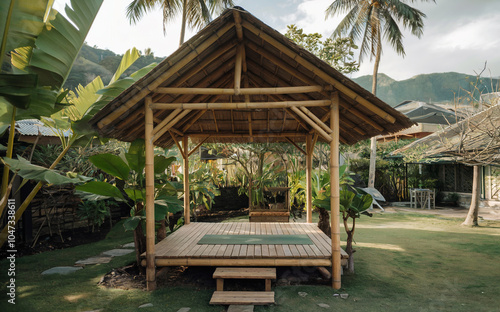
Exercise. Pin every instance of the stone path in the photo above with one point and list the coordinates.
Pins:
(104, 257)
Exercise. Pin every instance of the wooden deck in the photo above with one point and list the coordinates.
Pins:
(181, 248)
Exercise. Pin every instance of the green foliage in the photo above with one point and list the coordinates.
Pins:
(95, 212)
(29, 171)
(129, 168)
(339, 52)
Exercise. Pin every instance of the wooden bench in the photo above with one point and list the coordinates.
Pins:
(243, 297)
(266, 274)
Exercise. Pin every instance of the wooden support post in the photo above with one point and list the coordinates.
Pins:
(150, 206)
(335, 193)
(309, 157)
(185, 165)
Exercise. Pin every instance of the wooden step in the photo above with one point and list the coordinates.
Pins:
(243, 297)
(245, 273)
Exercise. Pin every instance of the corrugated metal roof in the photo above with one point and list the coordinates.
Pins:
(36, 127)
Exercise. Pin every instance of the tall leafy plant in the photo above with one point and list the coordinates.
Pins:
(353, 203)
(129, 186)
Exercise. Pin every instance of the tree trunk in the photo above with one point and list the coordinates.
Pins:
(162, 231)
(140, 244)
(348, 249)
(324, 221)
(471, 219)
(373, 145)
(183, 25)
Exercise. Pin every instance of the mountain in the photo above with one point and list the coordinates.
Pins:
(93, 62)
(430, 88)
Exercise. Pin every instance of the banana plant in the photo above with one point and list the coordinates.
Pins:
(353, 202)
(129, 186)
(43, 45)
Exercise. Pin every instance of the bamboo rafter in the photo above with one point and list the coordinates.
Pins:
(312, 123)
(239, 105)
(243, 91)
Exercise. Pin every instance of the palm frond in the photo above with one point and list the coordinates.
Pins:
(340, 6)
(393, 34)
(137, 8)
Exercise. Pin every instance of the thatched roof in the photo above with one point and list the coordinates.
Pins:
(238, 42)
(475, 140)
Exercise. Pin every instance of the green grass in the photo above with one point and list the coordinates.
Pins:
(404, 262)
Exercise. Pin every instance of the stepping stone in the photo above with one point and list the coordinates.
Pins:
(93, 260)
(129, 245)
(117, 252)
(323, 305)
(302, 294)
(61, 270)
(184, 310)
(240, 308)
(146, 305)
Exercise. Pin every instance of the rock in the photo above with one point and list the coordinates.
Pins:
(344, 296)
(146, 305)
(323, 305)
(93, 260)
(117, 252)
(302, 294)
(240, 308)
(184, 310)
(61, 270)
(129, 245)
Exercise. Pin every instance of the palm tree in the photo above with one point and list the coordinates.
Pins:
(371, 21)
(195, 12)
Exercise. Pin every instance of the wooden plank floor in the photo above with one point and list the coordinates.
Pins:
(181, 248)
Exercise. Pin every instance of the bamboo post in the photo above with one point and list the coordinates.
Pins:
(335, 193)
(185, 165)
(150, 208)
(309, 156)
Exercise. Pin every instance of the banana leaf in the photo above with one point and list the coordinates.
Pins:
(111, 164)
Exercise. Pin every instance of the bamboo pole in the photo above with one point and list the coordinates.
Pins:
(321, 74)
(166, 120)
(335, 193)
(197, 146)
(150, 206)
(243, 91)
(240, 105)
(296, 146)
(316, 119)
(237, 24)
(309, 156)
(185, 165)
(195, 119)
(237, 69)
(312, 124)
(246, 135)
(171, 70)
(170, 124)
(174, 138)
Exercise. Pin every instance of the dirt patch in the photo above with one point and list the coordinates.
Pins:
(200, 278)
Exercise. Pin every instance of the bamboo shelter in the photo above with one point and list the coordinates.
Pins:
(238, 80)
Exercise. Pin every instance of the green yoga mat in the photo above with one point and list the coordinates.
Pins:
(298, 239)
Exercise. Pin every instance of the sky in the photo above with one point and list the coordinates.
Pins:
(459, 35)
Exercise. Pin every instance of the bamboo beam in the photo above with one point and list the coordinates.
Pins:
(312, 123)
(316, 119)
(237, 69)
(250, 132)
(173, 69)
(246, 135)
(174, 138)
(197, 146)
(309, 159)
(321, 74)
(243, 91)
(215, 121)
(232, 121)
(301, 123)
(170, 124)
(237, 24)
(150, 208)
(335, 194)
(240, 105)
(296, 146)
(185, 165)
(166, 120)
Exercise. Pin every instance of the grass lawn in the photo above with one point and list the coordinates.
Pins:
(404, 262)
